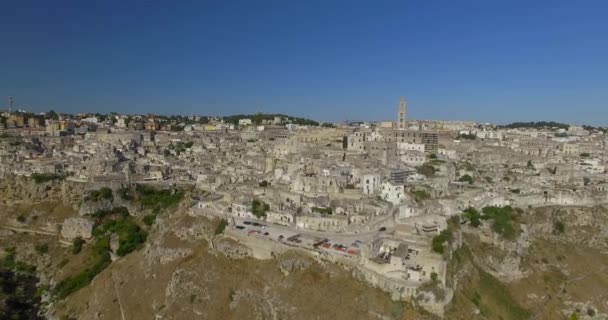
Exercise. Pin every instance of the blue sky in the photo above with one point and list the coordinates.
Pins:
(497, 61)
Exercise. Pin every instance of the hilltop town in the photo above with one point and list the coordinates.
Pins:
(392, 202)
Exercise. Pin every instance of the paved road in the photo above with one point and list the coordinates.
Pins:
(307, 237)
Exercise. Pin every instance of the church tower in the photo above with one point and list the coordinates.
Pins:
(402, 115)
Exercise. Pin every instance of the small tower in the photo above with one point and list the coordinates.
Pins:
(401, 118)
(10, 105)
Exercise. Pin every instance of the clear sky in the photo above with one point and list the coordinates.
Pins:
(486, 60)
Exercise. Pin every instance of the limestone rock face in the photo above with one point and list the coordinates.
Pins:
(230, 248)
(89, 207)
(291, 264)
(77, 227)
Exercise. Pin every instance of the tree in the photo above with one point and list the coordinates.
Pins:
(473, 216)
(221, 226)
(586, 180)
(466, 178)
(434, 277)
(259, 208)
(53, 115)
(77, 245)
(502, 217)
(440, 239)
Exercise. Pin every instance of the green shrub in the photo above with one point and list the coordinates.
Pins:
(502, 217)
(150, 197)
(259, 208)
(473, 216)
(120, 211)
(221, 226)
(103, 193)
(21, 218)
(440, 239)
(420, 195)
(323, 210)
(77, 245)
(130, 236)
(101, 246)
(81, 280)
(46, 177)
(434, 276)
(466, 178)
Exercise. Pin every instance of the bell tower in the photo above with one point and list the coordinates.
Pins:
(401, 118)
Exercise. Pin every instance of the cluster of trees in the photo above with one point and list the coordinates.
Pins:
(467, 136)
(103, 193)
(537, 125)
(259, 208)
(259, 117)
(501, 217)
(420, 195)
(118, 211)
(130, 235)
(46, 177)
(439, 240)
(221, 226)
(328, 210)
(592, 128)
(149, 197)
(82, 279)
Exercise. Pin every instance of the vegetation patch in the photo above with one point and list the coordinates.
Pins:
(322, 210)
(77, 245)
(440, 239)
(483, 290)
(103, 193)
(81, 280)
(149, 197)
(466, 178)
(19, 295)
(221, 226)
(46, 177)
(119, 211)
(503, 220)
(420, 195)
(259, 208)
